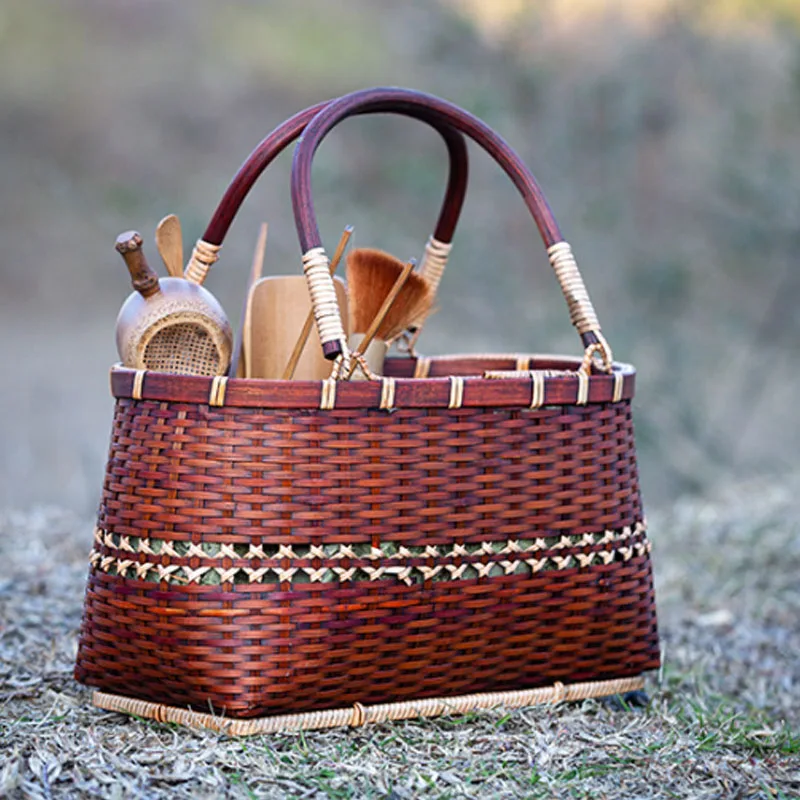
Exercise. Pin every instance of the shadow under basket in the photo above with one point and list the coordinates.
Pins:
(281, 547)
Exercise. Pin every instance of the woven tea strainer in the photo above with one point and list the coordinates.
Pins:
(170, 324)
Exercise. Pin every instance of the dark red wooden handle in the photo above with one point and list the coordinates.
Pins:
(287, 132)
(407, 101)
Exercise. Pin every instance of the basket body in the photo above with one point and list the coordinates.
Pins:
(266, 555)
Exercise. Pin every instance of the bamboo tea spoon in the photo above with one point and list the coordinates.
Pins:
(169, 240)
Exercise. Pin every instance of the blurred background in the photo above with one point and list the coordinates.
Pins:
(666, 136)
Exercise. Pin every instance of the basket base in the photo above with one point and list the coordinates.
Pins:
(359, 715)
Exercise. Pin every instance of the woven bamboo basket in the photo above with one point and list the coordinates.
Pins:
(463, 532)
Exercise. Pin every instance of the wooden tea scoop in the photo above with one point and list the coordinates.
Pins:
(169, 324)
(241, 351)
(169, 240)
(279, 306)
(385, 296)
(288, 373)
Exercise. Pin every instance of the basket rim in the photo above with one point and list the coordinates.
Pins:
(450, 382)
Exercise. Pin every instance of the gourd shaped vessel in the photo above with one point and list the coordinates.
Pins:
(170, 325)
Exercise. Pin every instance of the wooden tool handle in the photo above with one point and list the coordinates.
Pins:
(410, 102)
(144, 280)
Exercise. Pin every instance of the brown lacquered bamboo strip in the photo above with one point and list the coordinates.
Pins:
(359, 715)
(291, 365)
(409, 101)
(410, 392)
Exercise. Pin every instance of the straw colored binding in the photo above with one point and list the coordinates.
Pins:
(581, 311)
(583, 389)
(204, 256)
(138, 384)
(387, 393)
(510, 374)
(619, 382)
(422, 367)
(537, 389)
(456, 391)
(216, 396)
(323, 296)
(327, 400)
(434, 262)
(359, 715)
(537, 377)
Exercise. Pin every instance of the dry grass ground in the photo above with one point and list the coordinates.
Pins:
(724, 717)
(669, 151)
(664, 136)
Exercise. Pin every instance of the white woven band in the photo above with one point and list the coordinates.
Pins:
(323, 296)
(204, 256)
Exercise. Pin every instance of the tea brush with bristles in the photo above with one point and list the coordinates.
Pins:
(373, 278)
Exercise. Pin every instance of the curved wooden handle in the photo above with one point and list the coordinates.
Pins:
(320, 282)
(406, 101)
(280, 138)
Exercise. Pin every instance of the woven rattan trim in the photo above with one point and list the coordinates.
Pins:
(204, 256)
(422, 367)
(215, 563)
(619, 382)
(323, 295)
(581, 312)
(138, 384)
(456, 392)
(359, 714)
(434, 262)
(327, 398)
(387, 393)
(216, 396)
(418, 389)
